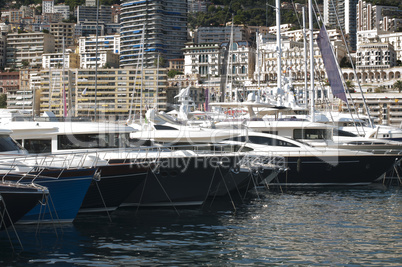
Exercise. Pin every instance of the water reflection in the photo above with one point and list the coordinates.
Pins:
(297, 227)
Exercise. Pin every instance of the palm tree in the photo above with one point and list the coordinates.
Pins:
(398, 85)
(350, 86)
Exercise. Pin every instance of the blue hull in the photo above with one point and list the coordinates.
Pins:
(66, 194)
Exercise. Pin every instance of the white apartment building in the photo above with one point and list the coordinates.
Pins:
(204, 35)
(375, 56)
(55, 60)
(202, 59)
(108, 50)
(105, 43)
(104, 59)
(62, 9)
(376, 17)
(23, 48)
(218, 65)
(47, 6)
(393, 38)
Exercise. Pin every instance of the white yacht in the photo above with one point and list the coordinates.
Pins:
(310, 166)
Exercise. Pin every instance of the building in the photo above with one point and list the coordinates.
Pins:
(197, 6)
(204, 35)
(26, 49)
(110, 97)
(108, 50)
(9, 82)
(385, 108)
(16, 16)
(105, 43)
(57, 92)
(23, 98)
(62, 32)
(116, 10)
(88, 28)
(90, 13)
(345, 10)
(3, 45)
(375, 56)
(176, 64)
(211, 62)
(376, 17)
(64, 10)
(47, 6)
(55, 60)
(105, 59)
(165, 24)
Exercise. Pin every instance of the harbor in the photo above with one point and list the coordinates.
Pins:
(347, 227)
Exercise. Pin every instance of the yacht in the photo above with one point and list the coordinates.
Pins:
(178, 177)
(317, 166)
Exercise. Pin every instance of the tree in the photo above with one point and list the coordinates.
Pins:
(398, 85)
(25, 63)
(3, 101)
(350, 86)
(173, 73)
(161, 62)
(380, 89)
(345, 63)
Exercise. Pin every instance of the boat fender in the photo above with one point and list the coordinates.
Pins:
(299, 162)
(260, 169)
(235, 169)
(97, 176)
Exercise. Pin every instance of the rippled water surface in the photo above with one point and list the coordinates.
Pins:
(337, 227)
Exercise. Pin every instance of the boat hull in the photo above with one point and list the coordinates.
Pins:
(116, 183)
(67, 190)
(17, 201)
(327, 171)
(188, 181)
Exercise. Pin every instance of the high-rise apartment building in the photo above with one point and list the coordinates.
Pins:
(342, 13)
(25, 49)
(47, 6)
(375, 17)
(165, 24)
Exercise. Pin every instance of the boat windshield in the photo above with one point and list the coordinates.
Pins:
(8, 144)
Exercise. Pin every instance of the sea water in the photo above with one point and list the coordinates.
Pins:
(287, 227)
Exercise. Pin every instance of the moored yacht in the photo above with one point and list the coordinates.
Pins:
(309, 166)
(165, 183)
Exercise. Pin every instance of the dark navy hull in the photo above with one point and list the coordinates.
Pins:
(343, 170)
(188, 181)
(67, 189)
(117, 182)
(16, 201)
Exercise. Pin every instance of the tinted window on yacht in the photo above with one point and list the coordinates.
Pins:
(238, 139)
(163, 127)
(262, 140)
(83, 141)
(312, 134)
(338, 132)
(38, 145)
(9, 144)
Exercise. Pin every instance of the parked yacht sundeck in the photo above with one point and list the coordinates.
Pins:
(164, 128)
(309, 166)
